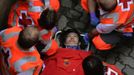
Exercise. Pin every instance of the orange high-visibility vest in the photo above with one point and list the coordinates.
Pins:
(122, 15)
(17, 60)
(51, 44)
(100, 44)
(54, 4)
(84, 5)
(25, 11)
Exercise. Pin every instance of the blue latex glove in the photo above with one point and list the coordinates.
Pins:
(86, 38)
(93, 19)
(128, 35)
(55, 29)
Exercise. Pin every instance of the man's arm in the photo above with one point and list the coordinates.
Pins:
(102, 29)
(91, 5)
(50, 45)
(105, 28)
(92, 12)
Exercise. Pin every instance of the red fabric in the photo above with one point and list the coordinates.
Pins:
(65, 62)
(114, 68)
(55, 4)
(47, 36)
(100, 44)
(84, 5)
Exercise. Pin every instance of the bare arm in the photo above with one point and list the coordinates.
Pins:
(94, 20)
(91, 5)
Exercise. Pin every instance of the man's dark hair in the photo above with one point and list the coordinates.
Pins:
(28, 37)
(92, 65)
(64, 36)
(47, 19)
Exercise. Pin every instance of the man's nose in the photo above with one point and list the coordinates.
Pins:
(72, 37)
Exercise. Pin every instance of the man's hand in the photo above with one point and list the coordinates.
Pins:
(93, 33)
(86, 38)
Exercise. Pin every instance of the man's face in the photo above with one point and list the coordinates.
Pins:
(72, 39)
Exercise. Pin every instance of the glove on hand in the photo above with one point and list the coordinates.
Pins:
(86, 38)
(93, 19)
(128, 34)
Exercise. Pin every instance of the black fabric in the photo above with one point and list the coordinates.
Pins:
(39, 47)
(111, 38)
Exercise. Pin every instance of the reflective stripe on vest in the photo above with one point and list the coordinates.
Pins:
(47, 3)
(28, 72)
(14, 19)
(45, 36)
(36, 9)
(18, 64)
(44, 31)
(15, 15)
(30, 50)
(114, 16)
(5, 37)
(53, 48)
(129, 24)
(33, 8)
(27, 17)
(132, 26)
(47, 47)
(130, 19)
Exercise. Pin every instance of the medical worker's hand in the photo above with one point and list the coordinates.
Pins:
(93, 19)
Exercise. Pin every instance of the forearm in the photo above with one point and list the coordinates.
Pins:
(105, 28)
(94, 20)
(91, 6)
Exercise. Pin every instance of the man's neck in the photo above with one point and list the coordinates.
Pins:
(73, 46)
